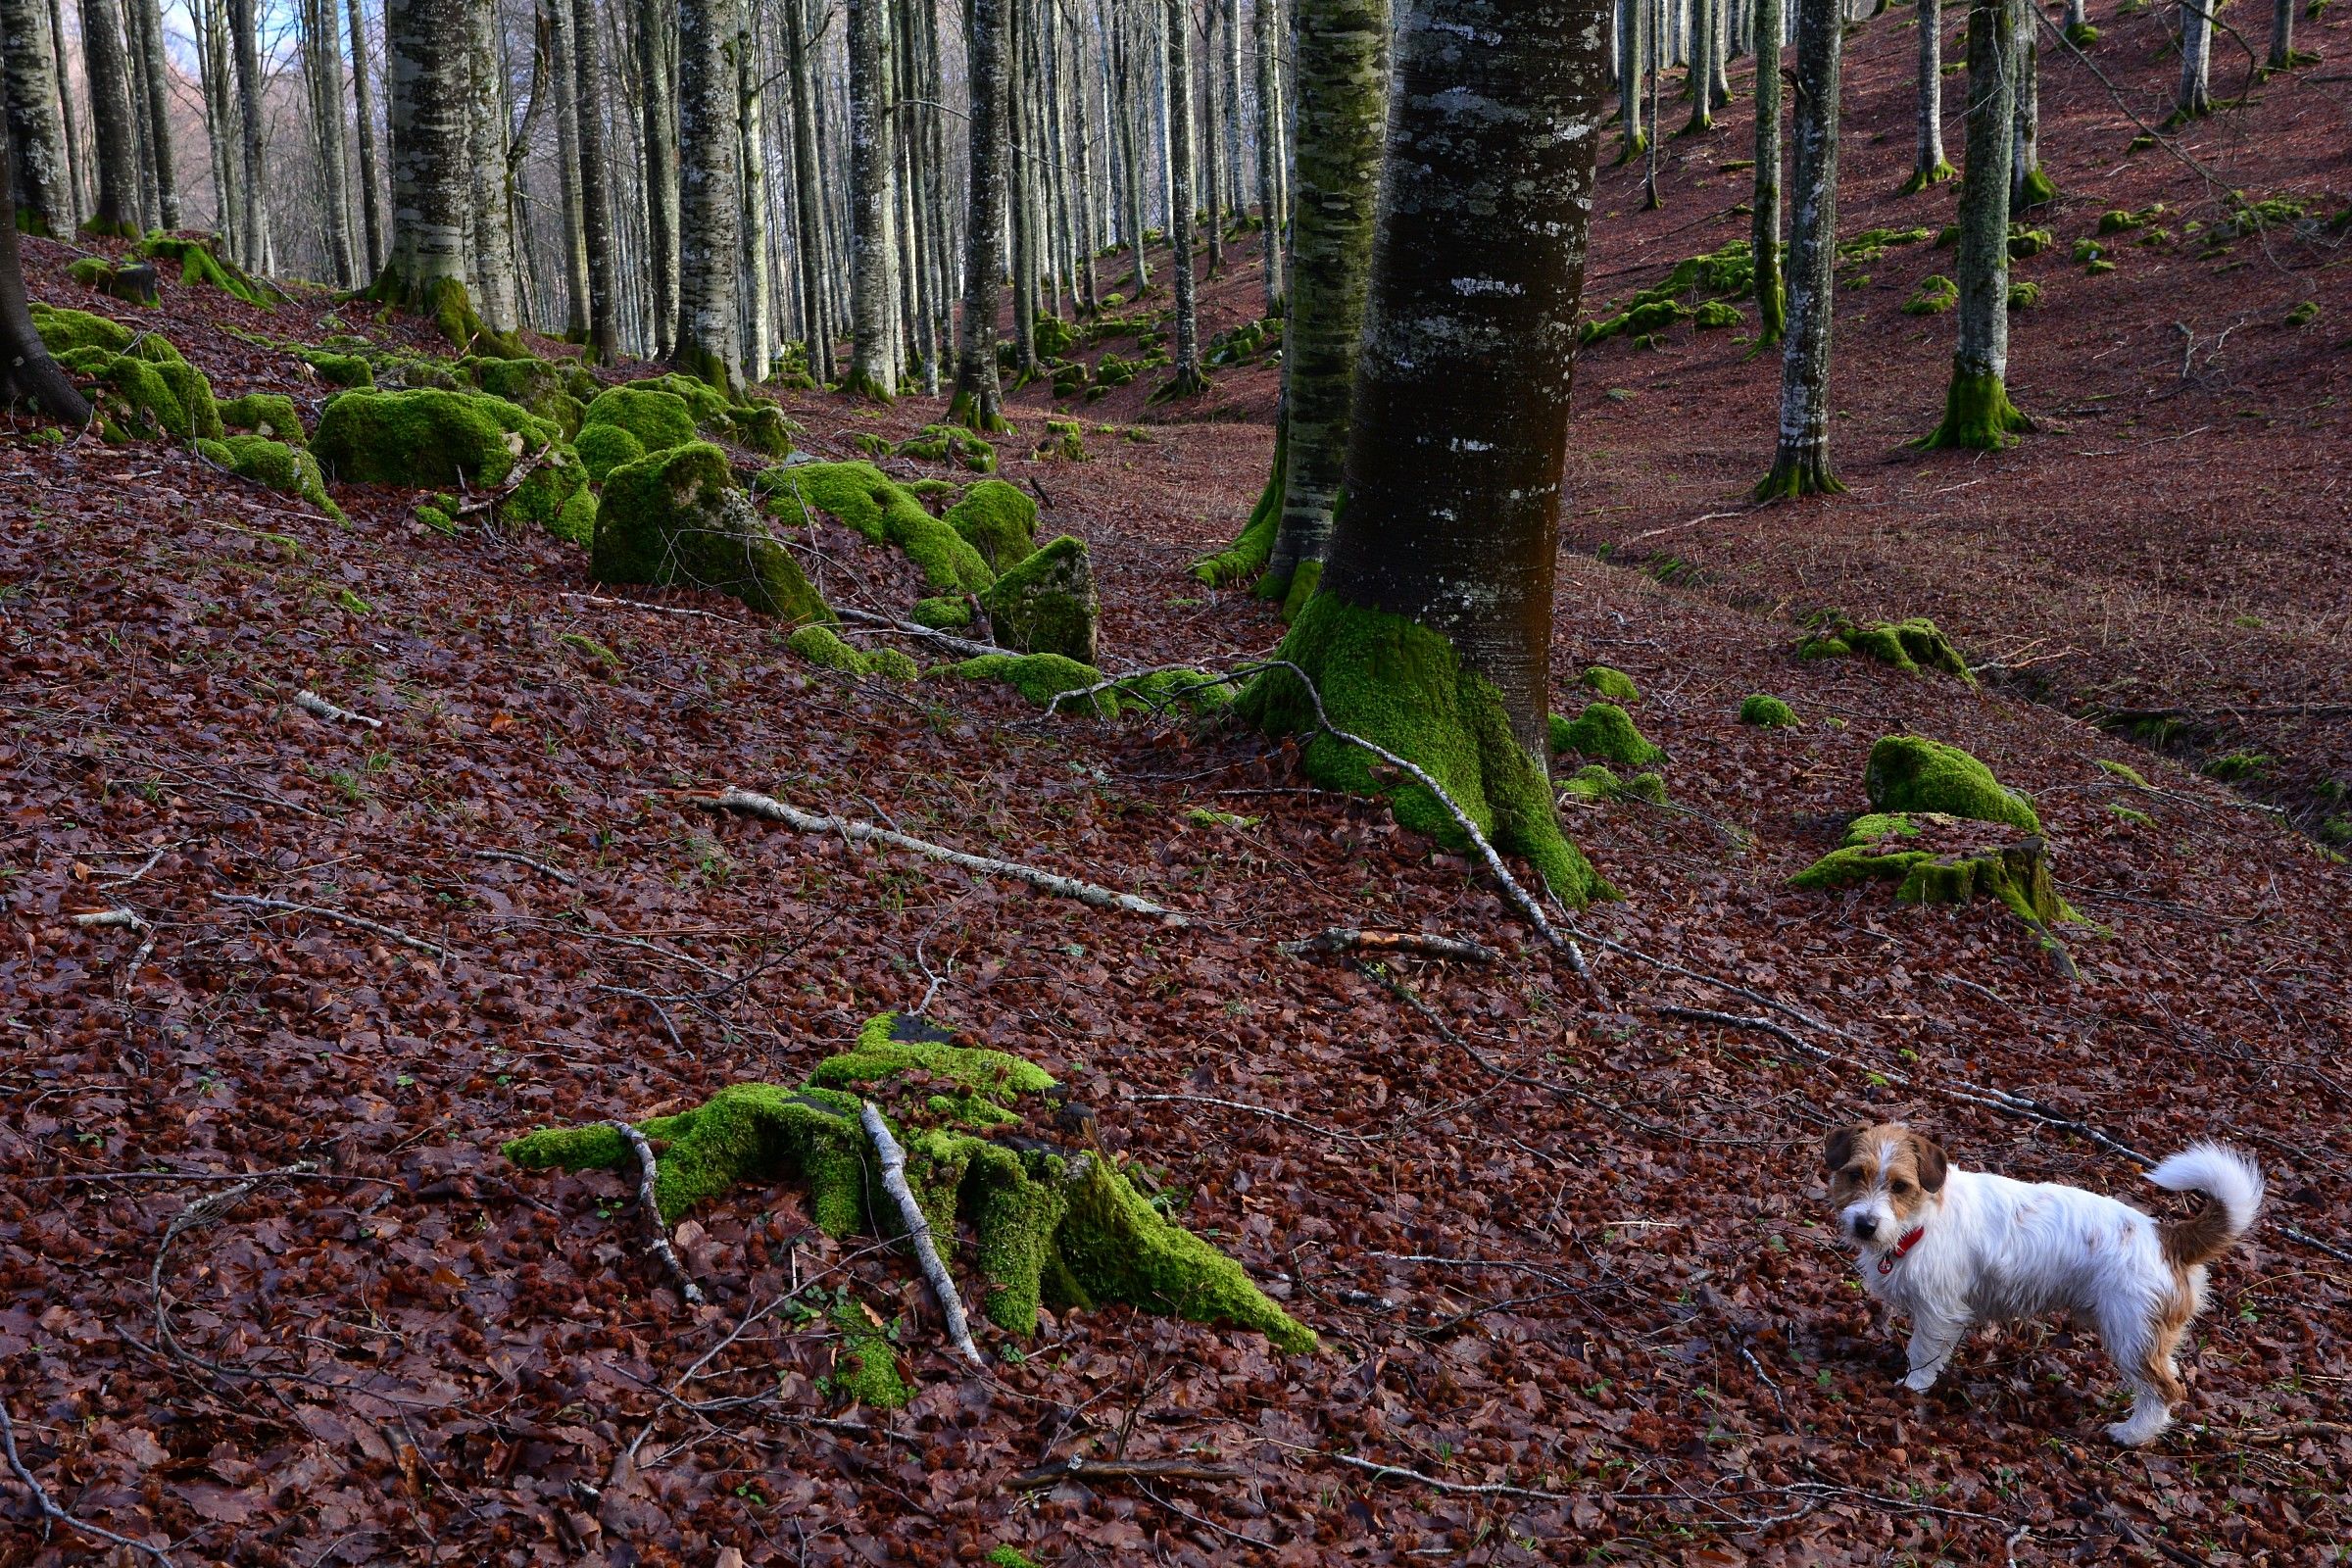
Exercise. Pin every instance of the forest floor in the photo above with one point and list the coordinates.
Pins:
(1567, 1252)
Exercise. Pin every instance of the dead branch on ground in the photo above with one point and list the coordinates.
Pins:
(657, 1235)
(918, 1232)
(1345, 939)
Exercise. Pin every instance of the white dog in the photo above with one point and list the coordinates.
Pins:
(1956, 1247)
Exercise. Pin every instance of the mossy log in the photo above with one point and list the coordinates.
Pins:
(1048, 1223)
(1911, 645)
(1884, 846)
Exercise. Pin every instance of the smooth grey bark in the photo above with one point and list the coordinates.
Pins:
(1342, 54)
(117, 210)
(2029, 186)
(363, 97)
(155, 75)
(77, 160)
(43, 177)
(496, 295)
(915, 305)
(758, 277)
(1273, 202)
(706, 342)
(1129, 90)
(1089, 201)
(1977, 414)
(661, 138)
(563, 71)
(1185, 377)
(1928, 165)
(872, 372)
(1229, 98)
(134, 43)
(26, 370)
(595, 207)
(426, 97)
(1764, 235)
(2283, 54)
(2196, 59)
(1699, 76)
(1800, 464)
(817, 321)
(979, 400)
(1020, 192)
(324, 67)
(1633, 55)
(1212, 145)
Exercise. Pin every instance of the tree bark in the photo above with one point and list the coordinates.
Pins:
(362, 96)
(1273, 203)
(42, 173)
(486, 137)
(2283, 54)
(26, 370)
(654, 59)
(1699, 75)
(979, 401)
(1633, 53)
(76, 153)
(426, 91)
(2196, 59)
(1431, 634)
(871, 371)
(817, 319)
(1928, 165)
(2029, 186)
(1772, 305)
(1341, 52)
(1977, 414)
(1186, 379)
(1800, 465)
(1212, 145)
(323, 66)
(563, 63)
(117, 210)
(708, 336)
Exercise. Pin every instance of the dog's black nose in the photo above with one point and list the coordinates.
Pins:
(1866, 1226)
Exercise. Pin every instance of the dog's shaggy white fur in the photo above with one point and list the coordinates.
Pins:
(1953, 1248)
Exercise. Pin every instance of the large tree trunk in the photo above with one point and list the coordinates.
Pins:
(873, 373)
(979, 401)
(707, 339)
(1273, 203)
(1431, 634)
(363, 97)
(2029, 186)
(486, 139)
(1977, 411)
(42, 173)
(1186, 379)
(25, 369)
(1772, 305)
(1928, 165)
(1341, 51)
(654, 23)
(562, 68)
(1800, 465)
(429, 86)
(116, 212)
(809, 197)
(155, 75)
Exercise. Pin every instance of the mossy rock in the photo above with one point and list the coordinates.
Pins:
(658, 419)
(2016, 875)
(1912, 773)
(142, 386)
(945, 613)
(942, 443)
(1605, 731)
(1042, 677)
(678, 517)
(341, 370)
(2026, 240)
(1065, 440)
(1614, 684)
(1047, 1224)
(999, 521)
(2025, 295)
(61, 331)
(1595, 781)
(1403, 686)
(1934, 295)
(1052, 337)
(200, 264)
(263, 413)
(424, 438)
(1047, 604)
(1911, 645)
(287, 469)
(1717, 315)
(819, 644)
(606, 446)
(539, 386)
(869, 502)
(1769, 712)
(133, 283)
(1194, 692)
(866, 1369)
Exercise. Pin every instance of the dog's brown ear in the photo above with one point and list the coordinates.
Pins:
(1932, 1163)
(1840, 1148)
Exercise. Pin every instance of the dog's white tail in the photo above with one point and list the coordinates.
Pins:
(2233, 1184)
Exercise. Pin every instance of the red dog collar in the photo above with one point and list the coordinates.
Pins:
(1904, 1244)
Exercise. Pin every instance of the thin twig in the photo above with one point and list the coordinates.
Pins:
(657, 1234)
(540, 867)
(338, 916)
(48, 1505)
(918, 1232)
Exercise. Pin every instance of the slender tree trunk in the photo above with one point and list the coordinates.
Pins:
(979, 401)
(27, 372)
(428, 89)
(1089, 292)
(1341, 49)
(564, 69)
(362, 95)
(493, 228)
(1632, 54)
(758, 277)
(1431, 634)
(1131, 138)
(43, 177)
(76, 152)
(2078, 23)
(155, 78)
(1977, 411)
(2029, 186)
(1698, 76)
(252, 170)
(1772, 306)
(596, 209)
(654, 23)
(324, 62)
(708, 338)
(1229, 73)
(818, 321)
(135, 44)
(221, 132)
(1021, 193)
(1928, 165)
(873, 373)
(1272, 205)
(1186, 379)
(2283, 54)
(2196, 59)
(1800, 465)
(102, 52)
(1212, 144)
(1719, 38)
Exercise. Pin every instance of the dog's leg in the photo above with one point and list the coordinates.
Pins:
(1933, 1342)
(2144, 1350)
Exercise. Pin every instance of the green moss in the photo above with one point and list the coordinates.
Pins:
(1594, 781)
(2082, 34)
(1921, 179)
(1872, 827)
(658, 419)
(1606, 731)
(606, 446)
(2026, 240)
(942, 443)
(1910, 644)
(538, 385)
(2238, 767)
(201, 264)
(1041, 677)
(2135, 817)
(2304, 314)
(999, 521)
(147, 393)
(946, 612)
(289, 469)
(1403, 686)
(1768, 712)
(263, 413)
(134, 284)
(1716, 314)
(1194, 691)
(429, 437)
(340, 370)
(2125, 771)
(1009, 1558)
(865, 1371)
(1046, 604)
(819, 644)
(63, 331)
(1912, 773)
(1934, 295)
(871, 504)
(677, 517)
(1614, 684)
(2024, 295)
(1300, 588)
(1978, 415)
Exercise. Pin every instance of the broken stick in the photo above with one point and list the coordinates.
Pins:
(48, 1505)
(338, 916)
(656, 1232)
(919, 1230)
(774, 811)
(1345, 939)
(318, 707)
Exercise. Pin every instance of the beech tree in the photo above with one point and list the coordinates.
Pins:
(2193, 100)
(1772, 306)
(1928, 165)
(1187, 378)
(117, 210)
(2029, 186)
(979, 401)
(659, 119)
(1701, 75)
(707, 341)
(429, 85)
(873, 371)
(1633, 57)
(1977, 411)
(1801, 462)
(1273, 198)
(27, 372)
(363, 94)
(43, 184)
(153, 86)
(1430, 631)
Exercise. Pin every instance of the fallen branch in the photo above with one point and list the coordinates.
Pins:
(658, 609)
(2106, 717)
(1345, 939)
(318, 707)
(1076, 1469)
(514, 482)
(194, 1215)
(338, 916)
(540, 867)
(1486, 1489)
(126, 918)
(657, 1234)
(965, 646)
(48, 1505)
(1086, 892)
(1116, 682)
(918, 1232)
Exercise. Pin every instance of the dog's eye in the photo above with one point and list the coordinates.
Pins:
(1898, 1187)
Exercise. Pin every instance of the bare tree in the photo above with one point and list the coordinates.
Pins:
(362, 95)
(27, 372)
(1772, 305)
(874, 371)
(1977, 411)
(116, 212)
(979, 401)
(43, 203)
(1928, 165)
(1185, 377)
(1800, 464)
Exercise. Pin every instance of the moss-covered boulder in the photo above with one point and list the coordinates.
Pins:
(870, 503)
(1605, 731)
(999, 521)
(606, 446)
(1042, 677)
(541, 386)
(201, 264)
(1614, 684)
(677, 516)
(819, 644)
(341, 370)
(942, 443)
(1038, 1222)
(1047, 604)
(658, 419)
(289, 469)
(1912, 773)
(1768, 712)
(945, 613)
(1911, 645)
(1597, 781)
(1934, 858)
(268, 414)
(134, 282)
(141, 386)
(425, 439)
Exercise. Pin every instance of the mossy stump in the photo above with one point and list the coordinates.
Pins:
(1040, 1222)
(1912, 773)
(1910, 644)
(1047, 602)
(678, 517)
(870, 503)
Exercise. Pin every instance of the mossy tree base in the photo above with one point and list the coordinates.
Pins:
(974, 414)
(450, 307)
(1978, 415)
(2035, 190)
(1251, 548)
(1884, 846)
(1403, 686)
(1798, 473)
(1921, 179)
(1048, 1226)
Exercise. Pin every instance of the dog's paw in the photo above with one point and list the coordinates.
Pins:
(1920, 1381)
(2138, 1430)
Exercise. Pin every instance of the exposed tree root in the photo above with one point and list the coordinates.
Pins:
(47, 1505)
